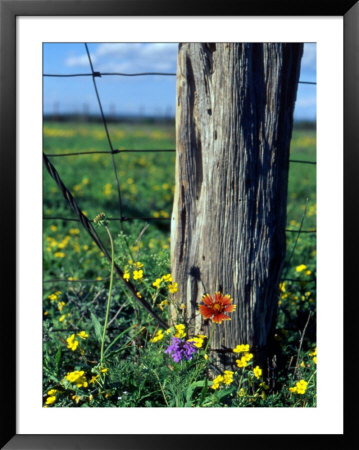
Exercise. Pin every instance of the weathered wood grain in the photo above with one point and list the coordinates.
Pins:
(234, 121)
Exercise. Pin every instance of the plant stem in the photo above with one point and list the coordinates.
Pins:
(312, 375)
(159, 382)
(109, 295)
(210, 337)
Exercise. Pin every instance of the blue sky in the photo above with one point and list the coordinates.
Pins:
(147, 95)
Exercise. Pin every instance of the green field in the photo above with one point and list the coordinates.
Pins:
(76, 276)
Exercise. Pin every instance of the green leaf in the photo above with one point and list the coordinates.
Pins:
(219, 394)
(204, 392)
(118, 337)
(58, 358)
(114, 352)
(50, 375)
(97, 327)
(190, 390)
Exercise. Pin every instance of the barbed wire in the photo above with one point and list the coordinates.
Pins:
(129, 219)
(122, 74)
(117, 151)
(114, 152)
(143, 151)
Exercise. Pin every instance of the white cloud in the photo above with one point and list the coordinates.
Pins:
(79, 61)
(129, 57)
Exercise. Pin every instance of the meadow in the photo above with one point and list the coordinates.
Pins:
(98, 353)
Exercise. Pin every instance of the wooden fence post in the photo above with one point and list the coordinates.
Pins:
(234, 123)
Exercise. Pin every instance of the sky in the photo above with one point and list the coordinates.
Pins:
(144, 95)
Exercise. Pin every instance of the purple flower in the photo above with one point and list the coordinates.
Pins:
(180, 349)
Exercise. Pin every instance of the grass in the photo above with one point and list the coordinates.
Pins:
(132, 368)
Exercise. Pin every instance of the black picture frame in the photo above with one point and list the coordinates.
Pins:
(9, 10)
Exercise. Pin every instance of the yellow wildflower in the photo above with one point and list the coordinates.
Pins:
(51, 400)
(167, 278)
(173, 288)
(126, 276)
(59, 255)
(300, 387)
(107, 189)
(137, 274)
(83, 335)
(241, 362)
(158, 336)
(257, 371)
(60, 305)
(241, 348)
(72, 343)
(228, 377)
(63, 317)
(217, 381)
(163, 304)
(157, 283)
(52, 392)
(247, 356)
(241, 392)
(77, 377)
(197, 341)
(77, 398)
(301, 267)
(180, 331)
(93, 379)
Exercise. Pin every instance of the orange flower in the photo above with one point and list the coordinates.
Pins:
(216, 308)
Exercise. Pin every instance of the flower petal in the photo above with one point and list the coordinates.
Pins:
(218, 318)
(230, 308)
(207, 300)
(205, 311)
(226, 300)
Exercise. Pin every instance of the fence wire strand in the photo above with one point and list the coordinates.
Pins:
(122, 74)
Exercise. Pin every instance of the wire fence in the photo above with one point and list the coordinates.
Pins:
(111, 151)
